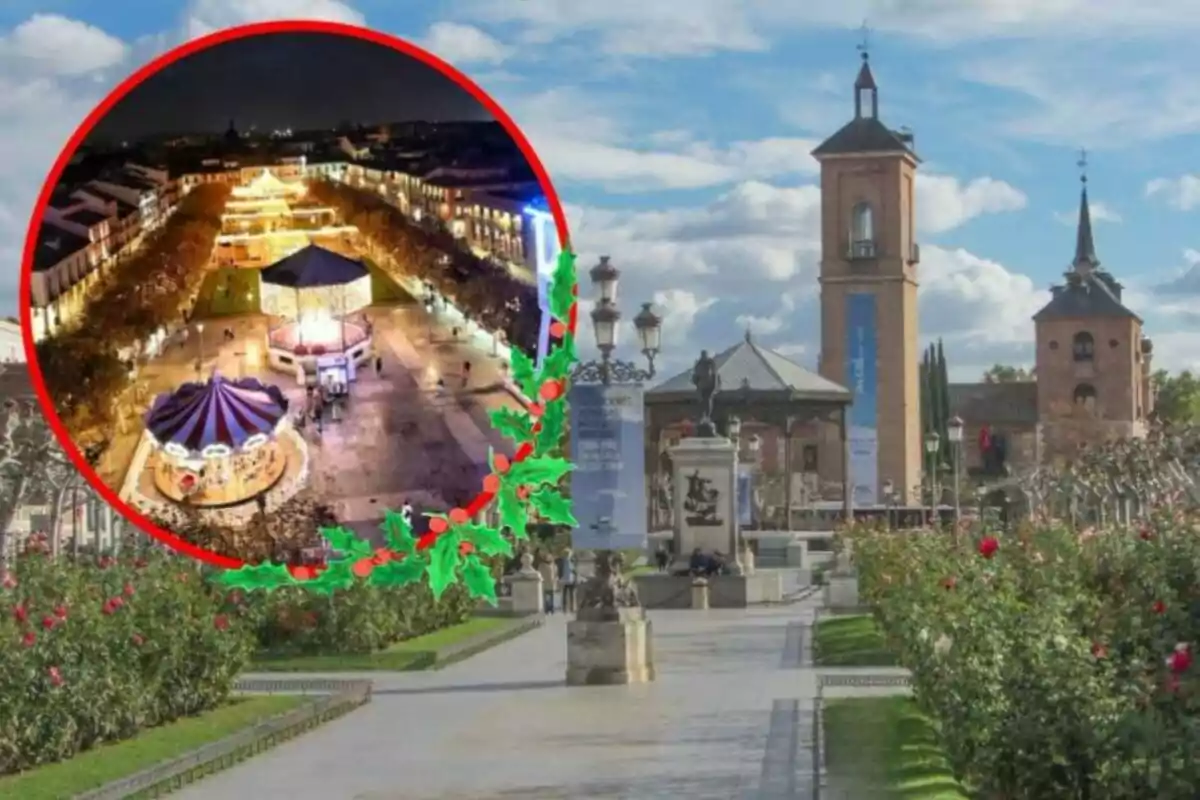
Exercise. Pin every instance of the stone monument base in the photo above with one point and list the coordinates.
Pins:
(841, 591)
(724, 591)
(609, 646)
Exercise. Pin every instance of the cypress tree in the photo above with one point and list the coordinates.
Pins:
(944, 400)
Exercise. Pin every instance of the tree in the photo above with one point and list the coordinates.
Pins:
(1003, 373)
(1177, 397)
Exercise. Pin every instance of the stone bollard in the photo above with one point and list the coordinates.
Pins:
(700, 593)
(527, 588)
(748, 561)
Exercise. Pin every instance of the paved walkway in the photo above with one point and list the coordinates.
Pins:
(728, 717)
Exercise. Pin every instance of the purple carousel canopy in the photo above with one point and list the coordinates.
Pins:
(220, 411)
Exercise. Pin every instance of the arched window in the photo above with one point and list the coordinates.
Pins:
(862, 231)
(1085, 395)
(1084, 346)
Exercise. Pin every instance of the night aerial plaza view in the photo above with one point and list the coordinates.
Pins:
(256, 313)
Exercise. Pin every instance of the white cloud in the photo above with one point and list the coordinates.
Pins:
(945, 203)
(578, 141)
(205, 16)
(1100, 212)
(464, 44)
(1182, 193)
(50, 44)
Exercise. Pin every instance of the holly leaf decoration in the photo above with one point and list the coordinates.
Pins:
(336, 575)
(514, 514)
(567, 345)
(512, 424)
(523, 373)
(443, 562)
(265, 576)
(562, 286)
(397, 532)
(556, 365)
(346, 542)
(552, 507)
(487, 541)
(479, 579)
(539, 470)
(399, 572)
(549, 436)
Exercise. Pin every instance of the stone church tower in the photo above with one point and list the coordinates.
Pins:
(869, 256)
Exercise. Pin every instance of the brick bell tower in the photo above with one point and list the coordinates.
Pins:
(869, 337)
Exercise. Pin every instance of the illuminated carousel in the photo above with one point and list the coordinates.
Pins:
(318, 294)
(224, 444)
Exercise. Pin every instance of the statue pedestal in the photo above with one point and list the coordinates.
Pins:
(841, 590)
(704, 481)
(608, 647)
(526, 586)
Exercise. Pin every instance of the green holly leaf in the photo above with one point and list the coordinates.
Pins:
(562, 287)
(337, 575)
(266, 576)
(479, 579)
(539, 470)
(550, 435)
(552, 507)
(397, 532)
(347, 541)
(488, 541)
(522, 372)
(402, 572)
(514, 514)
(556, 366)
(512, 424)
(443, 563)
(568, 346)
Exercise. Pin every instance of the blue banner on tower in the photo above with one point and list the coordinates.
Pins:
(862, 381)
(608, 484)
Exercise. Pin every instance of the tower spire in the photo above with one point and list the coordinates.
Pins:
(1085, 244)
(866, 93)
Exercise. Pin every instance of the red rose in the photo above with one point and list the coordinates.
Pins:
(1159, 607)
(139, 563)
(1145, 533)
(949, 583)
(10, 582)
(28, 639)
(221, 622)
(56, 678)
(128, 590)
(988, 546)
(47, 622)
(20, 614)
(1099, 650)
(60, 611)
(1180, 660)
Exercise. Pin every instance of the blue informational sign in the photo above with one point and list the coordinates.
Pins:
(862, 349)
(745, 494)
(608, 484)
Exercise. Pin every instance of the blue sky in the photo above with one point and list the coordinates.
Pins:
(678, 134)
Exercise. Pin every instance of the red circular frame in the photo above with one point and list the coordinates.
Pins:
(115, 96)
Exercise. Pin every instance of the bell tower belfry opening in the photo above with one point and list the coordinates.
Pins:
(869, 335)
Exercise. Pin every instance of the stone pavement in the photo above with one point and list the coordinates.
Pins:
(730, 716)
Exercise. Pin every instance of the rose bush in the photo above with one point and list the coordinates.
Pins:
(95, 650)
(1058, 663)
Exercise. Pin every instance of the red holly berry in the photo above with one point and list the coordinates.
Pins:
(491, 484)
(523, 492)
(56, 678)
(465, 548)
(500, 463)
(302, 573)
(128, 590)
(550, 391)
(536, 410)
(20, 614)
(458, 516)
(28, 639)
(221, 622)
(558, 330)
(362, 568)
(382, 555)
(437, 525)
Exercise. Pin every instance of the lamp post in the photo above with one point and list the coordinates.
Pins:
(200, 351)
(955, 431)
(889, 498)
(755, 445)
(734, 430)
(932, 443)
(608, 589)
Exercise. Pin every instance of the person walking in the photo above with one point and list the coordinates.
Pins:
(378, 366)
(567, 579)
(466, 373)
(549, 572)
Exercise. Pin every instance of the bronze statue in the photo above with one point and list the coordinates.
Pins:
(707, 383)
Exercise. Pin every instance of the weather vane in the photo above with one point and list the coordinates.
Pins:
(1082, 163)
(864, 46)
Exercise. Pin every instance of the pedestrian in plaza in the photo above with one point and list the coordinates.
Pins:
(549, 572)
(406, 511)
(661, 558)
(466, 373)
(378, 366)
(567, 579)
(454, 333)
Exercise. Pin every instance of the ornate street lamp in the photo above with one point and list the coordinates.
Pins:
(954, 430)
(932, 444)
(608, 589)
